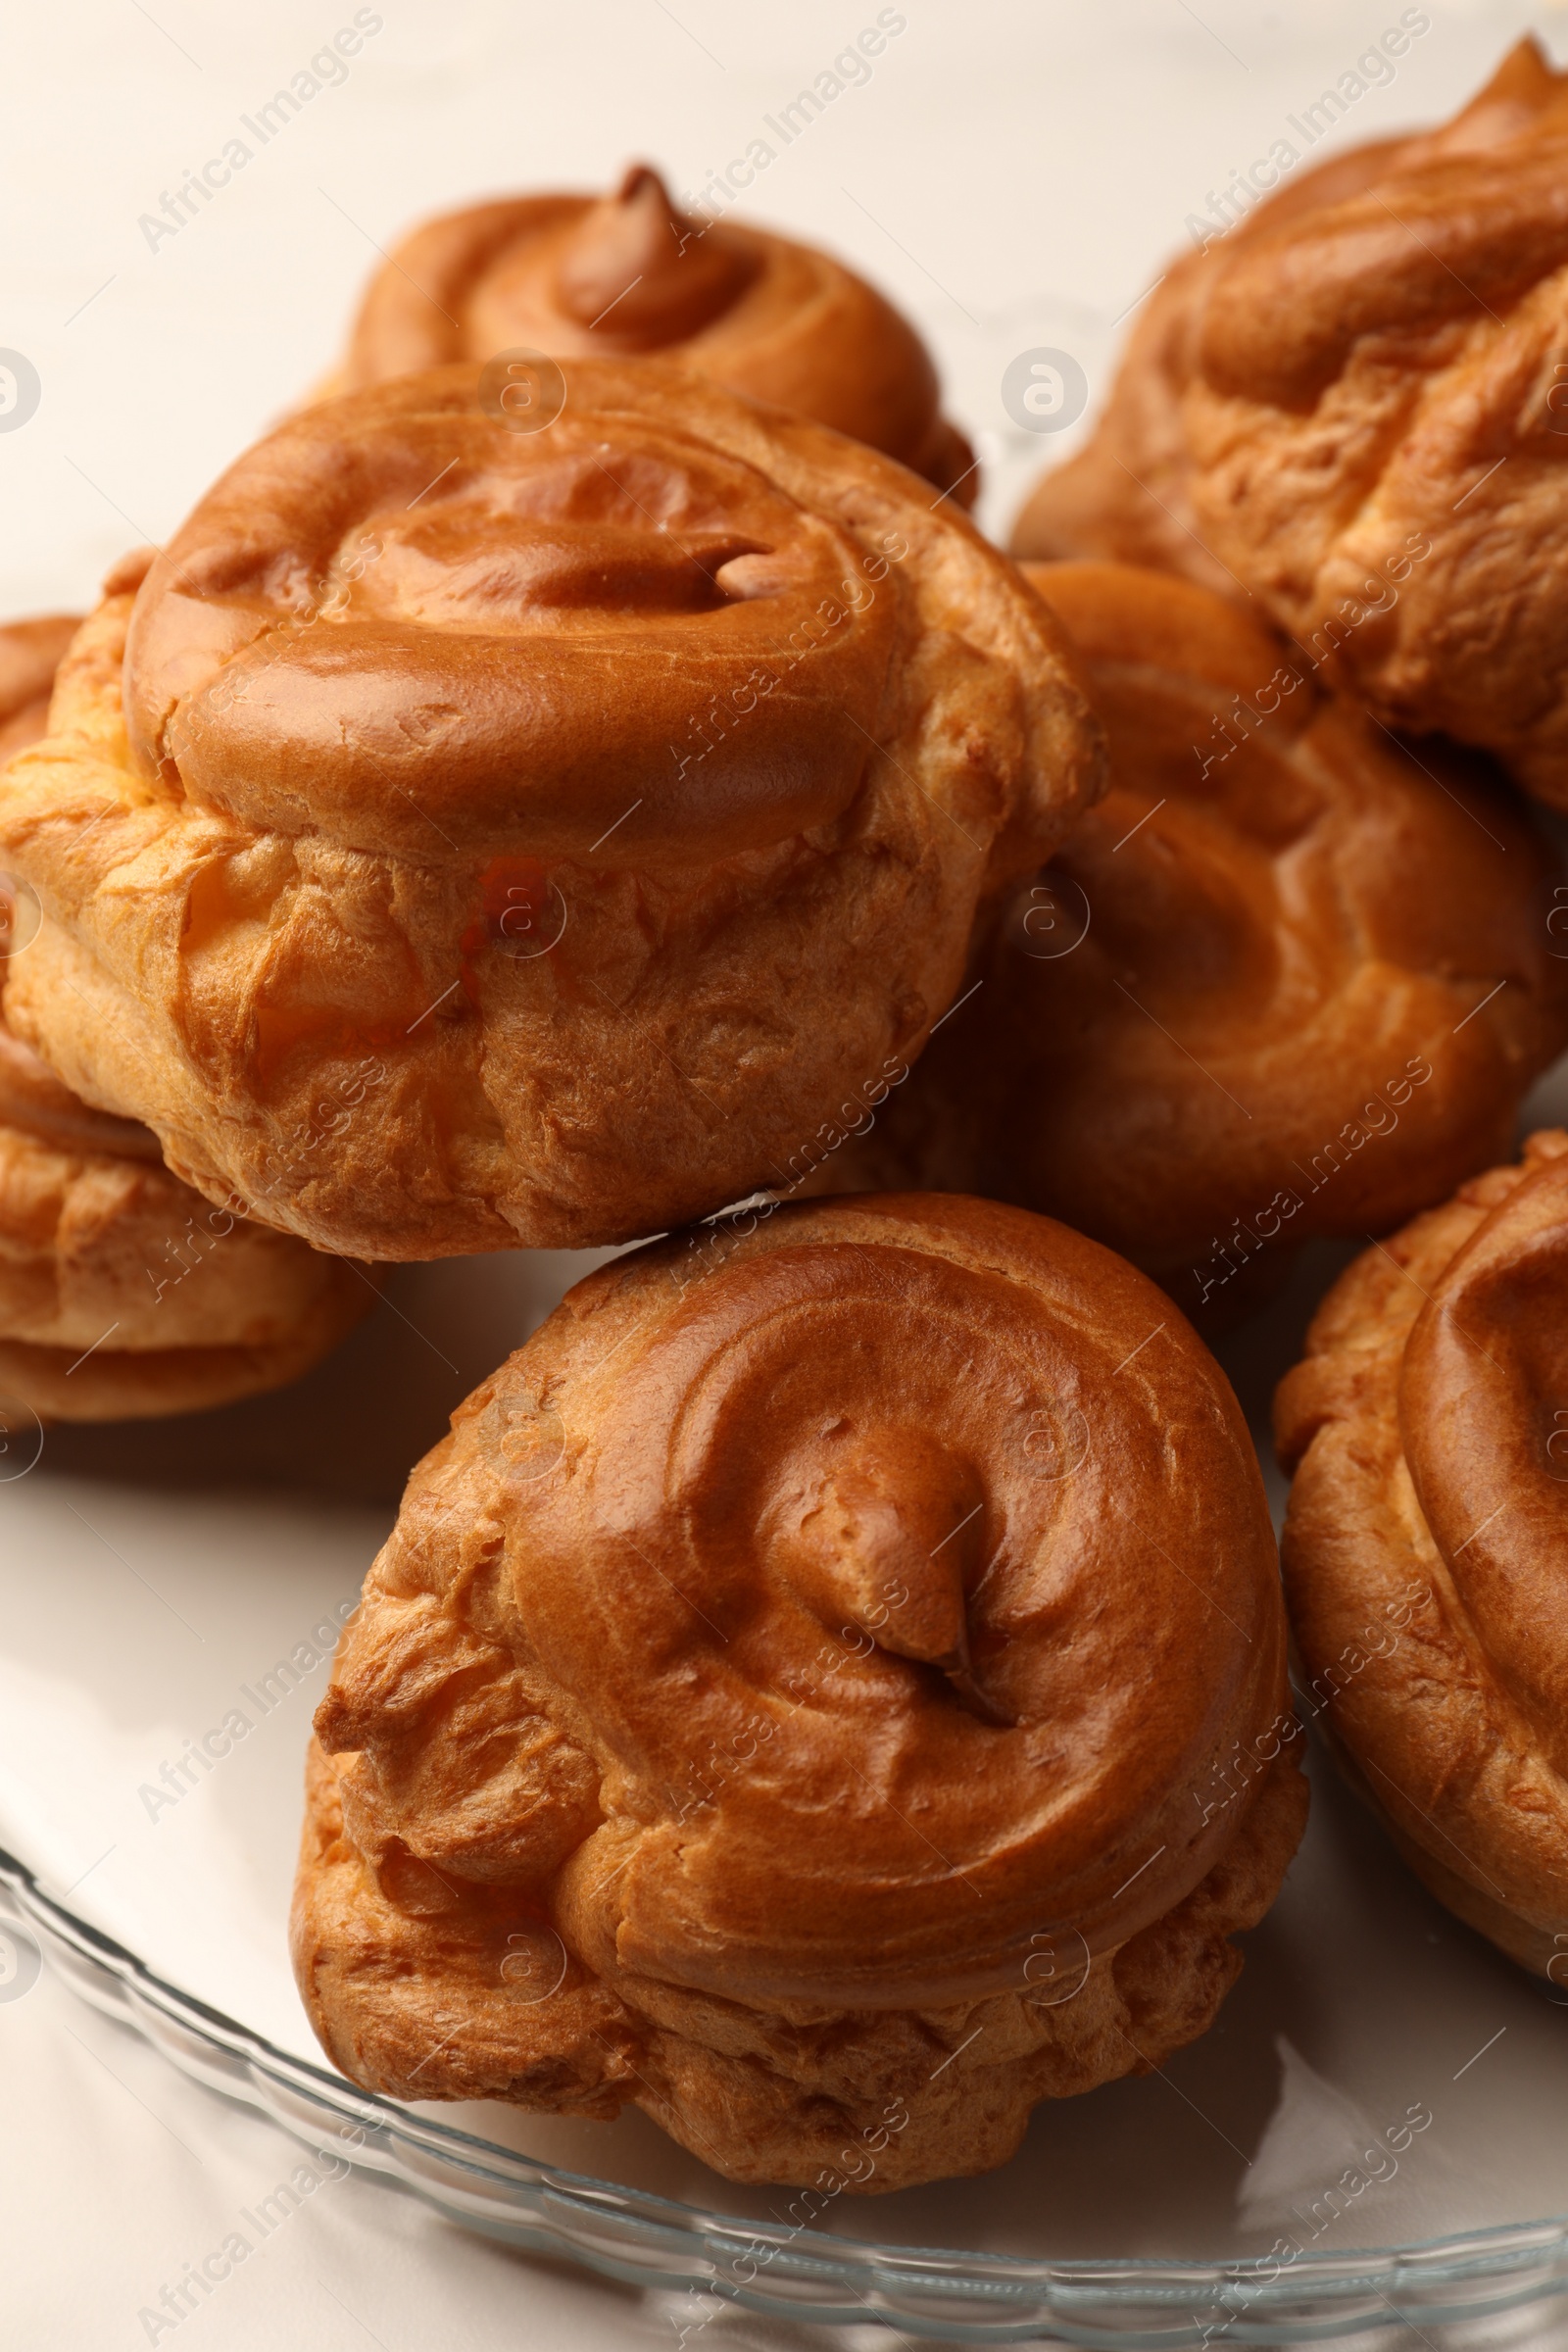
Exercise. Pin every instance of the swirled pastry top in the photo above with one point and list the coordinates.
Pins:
(1444, 225)
(637, 777)
(628, 273)
(1363, 388)
(1479, 1386)
(932, 1506)
(1432, 1448)
(1126, 495)
(397, 622)
(1281, 973)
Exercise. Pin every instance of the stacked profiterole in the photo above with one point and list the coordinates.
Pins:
(831, 1696)
(123, 1293)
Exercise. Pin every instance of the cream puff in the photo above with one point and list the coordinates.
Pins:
(630, 274)
(1423, 1542)
(1352, 406)
(1286, 979)
(463, 837)
(828, 1690)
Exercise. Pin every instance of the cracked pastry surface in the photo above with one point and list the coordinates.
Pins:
(629, 273)
(122, 1294)
(1283, 980)
(827, 1690)
(464, 838)
(1354, 404)
(1424, 1543)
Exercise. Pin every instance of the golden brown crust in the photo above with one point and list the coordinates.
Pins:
(34, 1100)
(1315, 984)
(124, 1384)
(833, 1627)
(585, 277)
(124, 1294)
(1425, 1436)
(482, 800)
(30, 652)
(1350, 407)
(90, 1237)
(1125, 497)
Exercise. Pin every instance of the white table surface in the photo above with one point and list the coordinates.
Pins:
(1012, 173)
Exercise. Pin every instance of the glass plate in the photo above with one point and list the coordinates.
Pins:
(162, 1579)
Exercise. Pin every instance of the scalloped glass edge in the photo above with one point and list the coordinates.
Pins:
(1122, 2306)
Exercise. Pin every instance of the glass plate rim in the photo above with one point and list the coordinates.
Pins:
(1135, 2303)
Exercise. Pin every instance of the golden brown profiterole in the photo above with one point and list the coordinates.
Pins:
(630, 275)
(1286, 979)
(828, 1690)
(1424, 1543)
(463, 838)
(1351, 407)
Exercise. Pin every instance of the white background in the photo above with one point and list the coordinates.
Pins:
(1013, 173)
